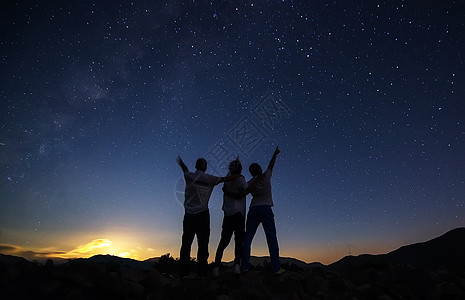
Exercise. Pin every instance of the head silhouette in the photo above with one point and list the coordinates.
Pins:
(255, 169)
(235, 167)
(201, 164)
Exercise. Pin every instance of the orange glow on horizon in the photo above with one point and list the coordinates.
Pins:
(97, 246)
(128, 246)
(117, 247)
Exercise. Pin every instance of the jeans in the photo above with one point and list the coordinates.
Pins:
(261, 214)
(195, 224)
(231, 224)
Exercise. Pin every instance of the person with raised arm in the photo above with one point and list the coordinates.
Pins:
(196, 222)
(234, 206)
(260, 212)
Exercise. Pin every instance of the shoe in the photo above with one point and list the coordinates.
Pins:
(216, 272)
(237, 269)
(280, 271)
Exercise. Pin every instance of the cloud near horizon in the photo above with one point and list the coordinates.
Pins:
(8, 248)
(86, 250)
(94, 247)
(97, 246)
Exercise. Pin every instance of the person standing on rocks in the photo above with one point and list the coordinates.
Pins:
(199, 187)
(234, 217)
(260, 212)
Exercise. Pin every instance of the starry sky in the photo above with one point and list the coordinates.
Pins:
(364, 98)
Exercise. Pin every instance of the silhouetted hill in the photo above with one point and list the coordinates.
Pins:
(289, 261)
(116, 260)
(447, 250)
(428, 270)
(12, 260)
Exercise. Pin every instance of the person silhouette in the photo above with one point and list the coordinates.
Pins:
(260, 212)
(234, 217)
(196, 222)
(234, 206)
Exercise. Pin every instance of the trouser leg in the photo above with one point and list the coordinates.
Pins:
(226, 234)
(239, 232)
(250, 230)
(270, 232)
(203, 237)
(186, 243)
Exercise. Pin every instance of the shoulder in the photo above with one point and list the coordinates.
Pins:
(188, 174)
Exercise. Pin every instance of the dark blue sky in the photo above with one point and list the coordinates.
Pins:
(364, 98)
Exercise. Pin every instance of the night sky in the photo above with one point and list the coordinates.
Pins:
(364, 98)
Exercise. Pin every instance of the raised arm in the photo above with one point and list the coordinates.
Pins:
(273, 159)
(182, 164)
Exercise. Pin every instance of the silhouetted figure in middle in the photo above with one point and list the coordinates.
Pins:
(234, 217)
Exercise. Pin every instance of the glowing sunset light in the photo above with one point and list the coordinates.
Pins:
(97, 246)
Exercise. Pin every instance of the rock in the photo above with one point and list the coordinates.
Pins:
(448, 290)
(286, 284)
(363, 288)
(73, 277)
(134, 289)
(48, 285)
(134, 275)
(460, 282)
(155, 280)
(253, 286)
(10, 274)
(112, 286)
(385, 297)
(77, 294)
(315, 285)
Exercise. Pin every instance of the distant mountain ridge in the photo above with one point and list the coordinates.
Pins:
(446, 250)
(128, 262)
(397, 275)
(262, 260)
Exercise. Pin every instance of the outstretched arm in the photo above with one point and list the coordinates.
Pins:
(182, 164)
(230, 178)
(252, 186)
(249, 189)
(273, 159)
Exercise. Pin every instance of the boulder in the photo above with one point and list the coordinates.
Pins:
(131, 274)
(253, 286)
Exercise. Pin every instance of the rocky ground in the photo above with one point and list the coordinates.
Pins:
(82, 279)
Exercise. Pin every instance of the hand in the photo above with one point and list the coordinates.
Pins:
(277, 151)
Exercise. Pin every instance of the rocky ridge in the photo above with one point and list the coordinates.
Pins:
(430, 270)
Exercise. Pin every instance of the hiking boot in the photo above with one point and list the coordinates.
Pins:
(280, 271)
